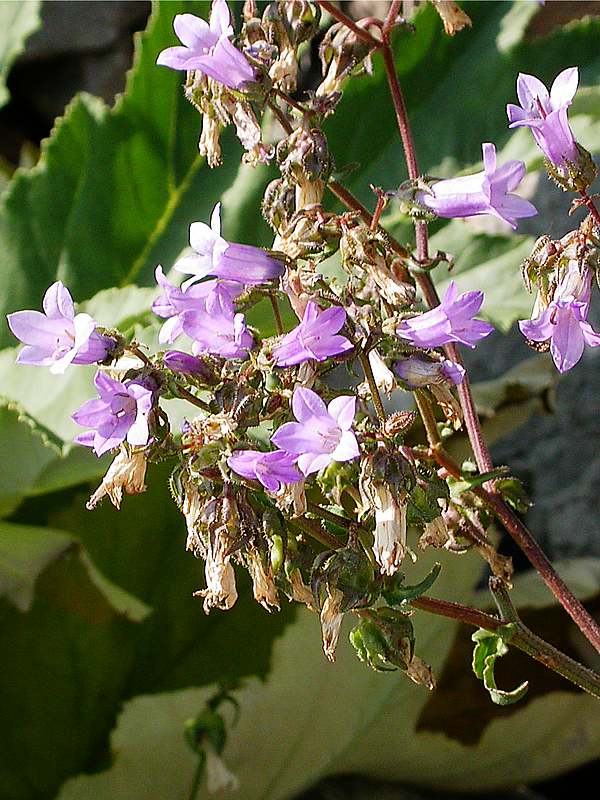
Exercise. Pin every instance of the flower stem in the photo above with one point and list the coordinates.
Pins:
(592, 207)
(511, 522)
(373, 388)
(524, 639)
(429, 423)
(276, 314)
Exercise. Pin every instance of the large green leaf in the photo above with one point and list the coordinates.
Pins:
(17, 21)
(66, 659)
(318, 719)
(74, 657)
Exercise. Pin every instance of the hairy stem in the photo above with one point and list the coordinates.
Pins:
(429, 423)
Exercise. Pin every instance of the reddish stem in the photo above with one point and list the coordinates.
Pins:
(511, 522)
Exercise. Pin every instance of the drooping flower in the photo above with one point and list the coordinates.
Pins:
(438, 376)
(126, 473)
(316, 337)
(272, 469)
(207, 48)
(332, 617)
(58, 337)
(216, 256)
(218, 330)
(564, 321)
(322, 434)
(451, 321)
(486, 192)
(119, 414)
(546, 114)
(417, 371)
(173, 302)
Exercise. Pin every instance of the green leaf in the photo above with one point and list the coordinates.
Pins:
(94, 572)
(489, 646)
(17, 22)
(26, 551)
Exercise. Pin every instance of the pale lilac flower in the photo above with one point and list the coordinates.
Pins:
(174, 302)
(271, 469)
(486, 192)
(218, 330)
(217, 257)
(58, 337)
(564, 322)
(451, 321)
(546, 114)
(322, 434)
(314, 338)
(119, 414)
(207, 48)
(416, 371)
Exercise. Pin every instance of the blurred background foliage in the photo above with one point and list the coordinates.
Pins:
(105, 652)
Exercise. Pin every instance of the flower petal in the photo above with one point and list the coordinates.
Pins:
(528, 89)
(194, 33)
(220, 19)
(307, 404)
(564, 88)
(343, 409)
(58, 302)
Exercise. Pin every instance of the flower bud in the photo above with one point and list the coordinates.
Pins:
(187, 364)
(277, 205)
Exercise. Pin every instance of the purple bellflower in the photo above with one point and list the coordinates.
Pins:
(119, 413)
(486, 192)
(207, 48)
(451, 321)
(271, 469)
(322, 434)
(546, 114)
(316, 337)
(58, 337)
(217, 257)
(564, 322)
(217, 329)
(173, 302)
(416, 371)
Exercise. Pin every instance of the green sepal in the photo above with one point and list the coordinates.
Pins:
(490, 645)
(397, 594)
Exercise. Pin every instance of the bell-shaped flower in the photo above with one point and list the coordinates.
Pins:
(546, 114)
(451, 321)
(271, 469)
(215, 256)
(316, 337)
(322, 434)
(119, 414)
(218, 330)
(173, 302)
(486, 192)
(206, 47)
(564, 322)
(58, 337)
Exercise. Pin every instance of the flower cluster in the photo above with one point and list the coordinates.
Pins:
(287, 436)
